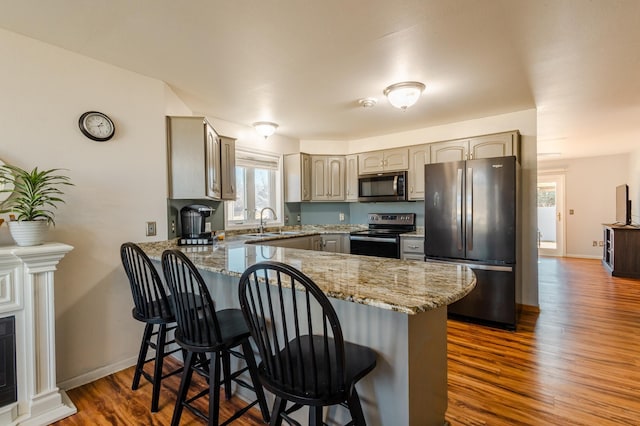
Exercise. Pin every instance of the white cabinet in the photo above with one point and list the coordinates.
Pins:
(228, 168)
(419, 155)
(195, 166)
(488, 146)
(389, 160)
(412, 248)
(297, 177)
(351, 192)
(327, 178)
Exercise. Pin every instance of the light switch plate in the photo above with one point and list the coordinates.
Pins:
(151, 229)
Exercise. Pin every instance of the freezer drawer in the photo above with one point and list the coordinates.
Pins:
(493, 300)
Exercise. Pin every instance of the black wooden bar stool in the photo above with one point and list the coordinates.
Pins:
(203, 330)
(151, 306)
(305, 359)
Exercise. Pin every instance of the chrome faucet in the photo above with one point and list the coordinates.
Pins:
(262, 218)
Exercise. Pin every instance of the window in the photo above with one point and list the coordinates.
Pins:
(259, 185)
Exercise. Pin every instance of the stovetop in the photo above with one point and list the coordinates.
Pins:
(388, 224)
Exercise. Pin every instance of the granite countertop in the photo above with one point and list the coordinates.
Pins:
(407, 286)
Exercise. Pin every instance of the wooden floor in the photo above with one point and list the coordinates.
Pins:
(577, 362)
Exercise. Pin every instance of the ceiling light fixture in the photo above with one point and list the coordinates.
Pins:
(265, 128)
(367, 102)
(403, 95)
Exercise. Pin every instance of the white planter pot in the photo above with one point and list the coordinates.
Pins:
(28, 233)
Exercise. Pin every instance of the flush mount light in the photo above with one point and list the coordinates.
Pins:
(403, 95)
(265, 128)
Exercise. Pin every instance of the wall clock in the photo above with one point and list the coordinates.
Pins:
(96, 126)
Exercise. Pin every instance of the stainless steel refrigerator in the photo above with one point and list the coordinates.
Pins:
(470, 218)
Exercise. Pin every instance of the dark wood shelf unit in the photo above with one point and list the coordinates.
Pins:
(621, 254)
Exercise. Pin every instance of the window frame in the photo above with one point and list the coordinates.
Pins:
(277, 186)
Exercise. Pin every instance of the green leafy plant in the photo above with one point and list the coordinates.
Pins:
(34, 193)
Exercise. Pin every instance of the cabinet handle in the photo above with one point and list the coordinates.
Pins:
(414, 247)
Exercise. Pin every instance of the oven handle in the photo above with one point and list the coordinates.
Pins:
(375, 239)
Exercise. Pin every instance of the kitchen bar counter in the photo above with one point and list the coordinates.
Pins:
(397, 308)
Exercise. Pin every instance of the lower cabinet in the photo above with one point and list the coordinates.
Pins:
(335, 243)
(412, 248)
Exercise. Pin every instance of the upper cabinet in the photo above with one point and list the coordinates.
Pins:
(389, 160)
(297, 177)
(488, 146)
(228, 168)
(419, 155)
(327, 178)
(351, 193)
(195, 167)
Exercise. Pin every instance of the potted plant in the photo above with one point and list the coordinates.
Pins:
(34, 195)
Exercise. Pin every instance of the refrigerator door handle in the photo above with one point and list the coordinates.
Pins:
(459, 209)
(469, 206)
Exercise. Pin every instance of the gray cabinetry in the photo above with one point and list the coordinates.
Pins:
(228, 168)
(297, 177)
(351, 192)
(196, 168)
(388, 160)
(327, 178)
(412, 248)
(487, 146)
(419, 155)
(335, 243)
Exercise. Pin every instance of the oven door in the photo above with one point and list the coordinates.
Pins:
(375, 246)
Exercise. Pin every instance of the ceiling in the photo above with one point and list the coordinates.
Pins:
(304, 64)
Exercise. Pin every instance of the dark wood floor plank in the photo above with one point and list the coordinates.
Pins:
(576, 362)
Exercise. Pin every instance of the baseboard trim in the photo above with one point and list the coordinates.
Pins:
(584, 256)
(98, 373)
(529, 308)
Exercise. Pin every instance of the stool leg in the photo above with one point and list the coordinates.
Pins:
(144, 347)
(315, 416)
(226, 373)
(182, 390)
(355, 408)
(157, 373)
(278, 408)
(214, 389)
(255, 380)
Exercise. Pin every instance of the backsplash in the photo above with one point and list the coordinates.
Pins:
(356, 213)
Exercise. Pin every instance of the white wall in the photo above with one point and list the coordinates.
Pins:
(590, 191)
(634, 185)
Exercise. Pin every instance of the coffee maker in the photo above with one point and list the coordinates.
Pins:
(192, 225)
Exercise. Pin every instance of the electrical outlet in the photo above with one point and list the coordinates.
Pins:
(173, 226)
(570, 211)
(151, 229)
(595, 244)
(341, 217)
(207, 227)
(298, 217)
(601, 243)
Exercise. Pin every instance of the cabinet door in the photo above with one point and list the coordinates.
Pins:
(305, 178)
(335, 174)
(370, 162)
(442, 152)
(213, 163)
(332, 243)
(490, 146)
(418, 157)
(396, 159)
(319, 192)
(228, 167)
(316, 243)
(186, 137)
(351, 192)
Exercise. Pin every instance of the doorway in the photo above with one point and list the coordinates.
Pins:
(550, 201)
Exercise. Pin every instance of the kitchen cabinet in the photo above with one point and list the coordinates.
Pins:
(419, 155)
(195, 164)
(412, 248)
(622, 250)
(335, 243)
(297, 177)
(388, 160)
(303, 243)
(227, 168)
(351, 192)
(327, 178)
(487, 146)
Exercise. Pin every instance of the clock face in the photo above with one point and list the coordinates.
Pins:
(97, 126)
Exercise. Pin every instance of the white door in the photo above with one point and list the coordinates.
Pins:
(551, 215)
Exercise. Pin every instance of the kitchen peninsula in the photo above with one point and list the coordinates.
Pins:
(396, 307)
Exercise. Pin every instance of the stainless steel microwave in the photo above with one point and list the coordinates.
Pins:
(383, 187)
